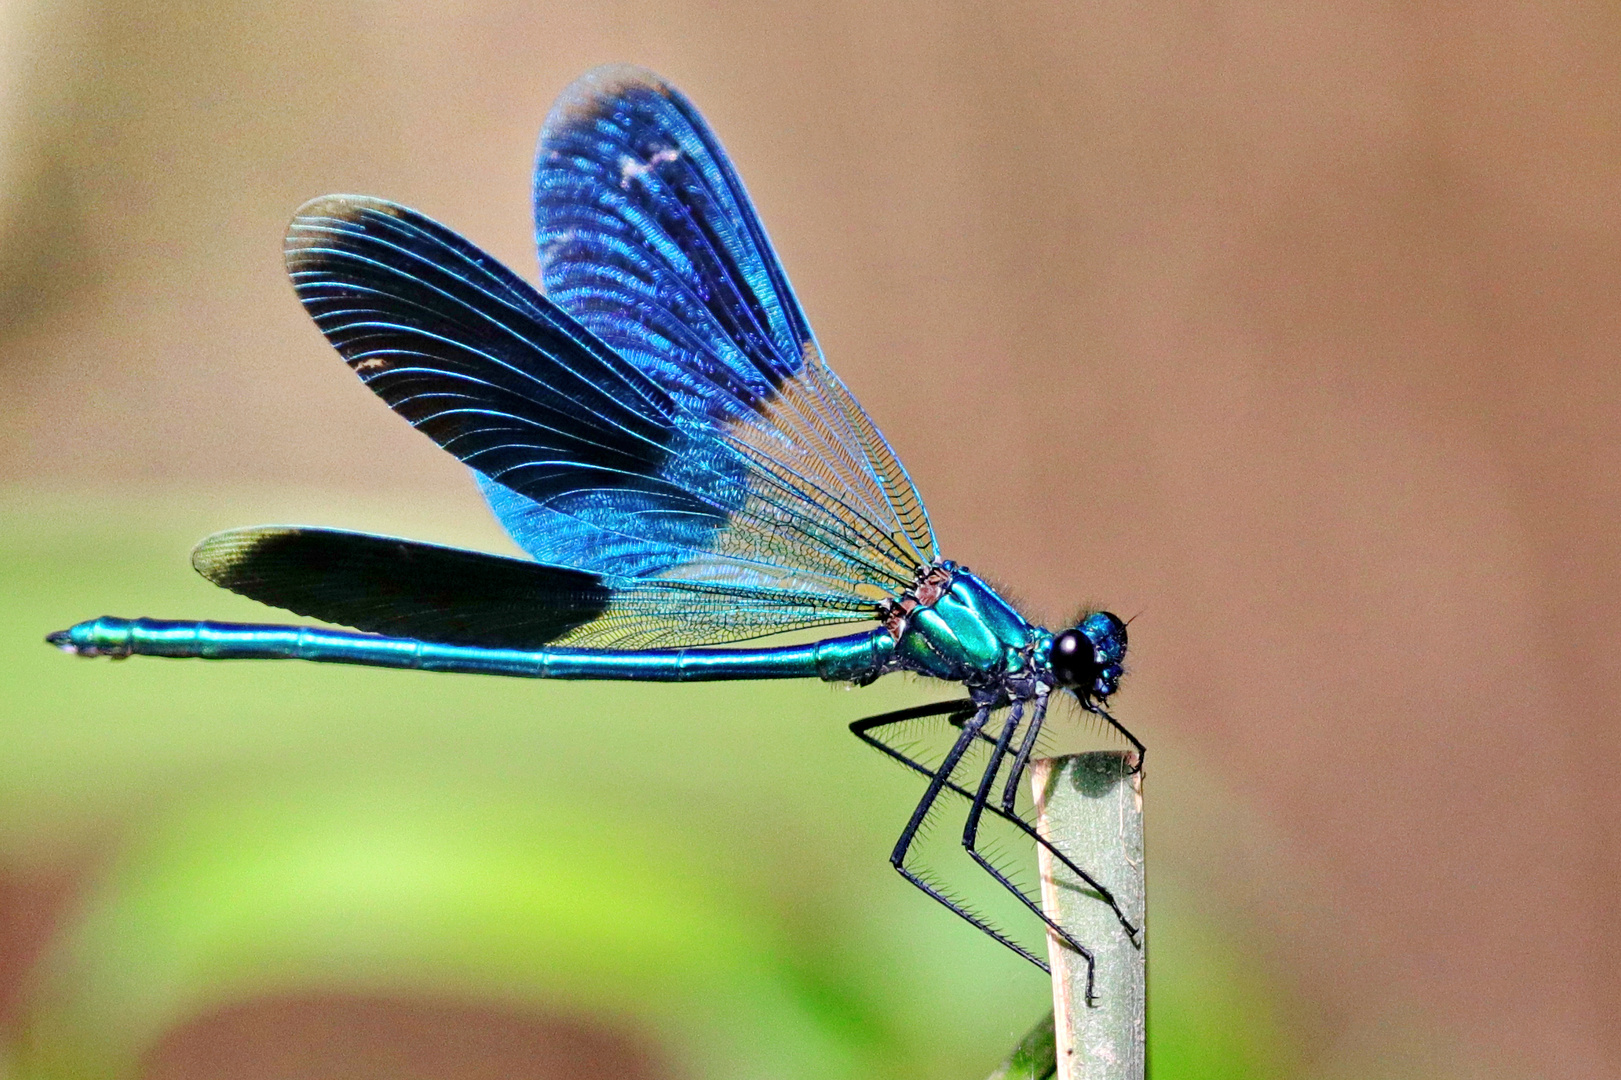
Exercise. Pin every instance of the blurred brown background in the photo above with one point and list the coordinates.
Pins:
(1291, 327)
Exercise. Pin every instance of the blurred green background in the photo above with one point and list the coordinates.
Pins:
(1288, 329)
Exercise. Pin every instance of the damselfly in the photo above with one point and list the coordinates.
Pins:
(660, 433)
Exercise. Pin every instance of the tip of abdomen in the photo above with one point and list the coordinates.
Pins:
(90, 638)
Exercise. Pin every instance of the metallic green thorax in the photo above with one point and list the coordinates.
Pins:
(968, 634)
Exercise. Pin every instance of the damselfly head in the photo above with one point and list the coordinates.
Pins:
(1087, 658)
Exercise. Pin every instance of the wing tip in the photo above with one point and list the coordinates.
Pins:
(215, 554)
(314, 221)
(588, 96)
(219, 556)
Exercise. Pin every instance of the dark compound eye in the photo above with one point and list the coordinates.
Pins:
(1074, 660)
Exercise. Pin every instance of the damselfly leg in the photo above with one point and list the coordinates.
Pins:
(957, 713)
(970, 837)
(1010, 793)
(939, 781)
(1142, 751)
(972, 719)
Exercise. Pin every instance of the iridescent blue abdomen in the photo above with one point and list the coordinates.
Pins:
(969, 634)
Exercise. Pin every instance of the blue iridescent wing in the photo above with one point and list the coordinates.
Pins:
(559, 423)
(648, 239)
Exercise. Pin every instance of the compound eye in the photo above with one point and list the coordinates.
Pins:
(1074, 662)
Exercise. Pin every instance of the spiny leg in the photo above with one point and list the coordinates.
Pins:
(1010, 793)
(939, 780)
(970, 840)
(962, 707)
(958, 712)
(1142, 751)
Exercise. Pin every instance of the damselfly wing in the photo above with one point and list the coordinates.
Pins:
(660, 432)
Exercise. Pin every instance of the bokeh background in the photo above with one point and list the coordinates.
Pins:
(1289, 329)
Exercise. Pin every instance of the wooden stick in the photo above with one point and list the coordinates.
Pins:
(1090, 806)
